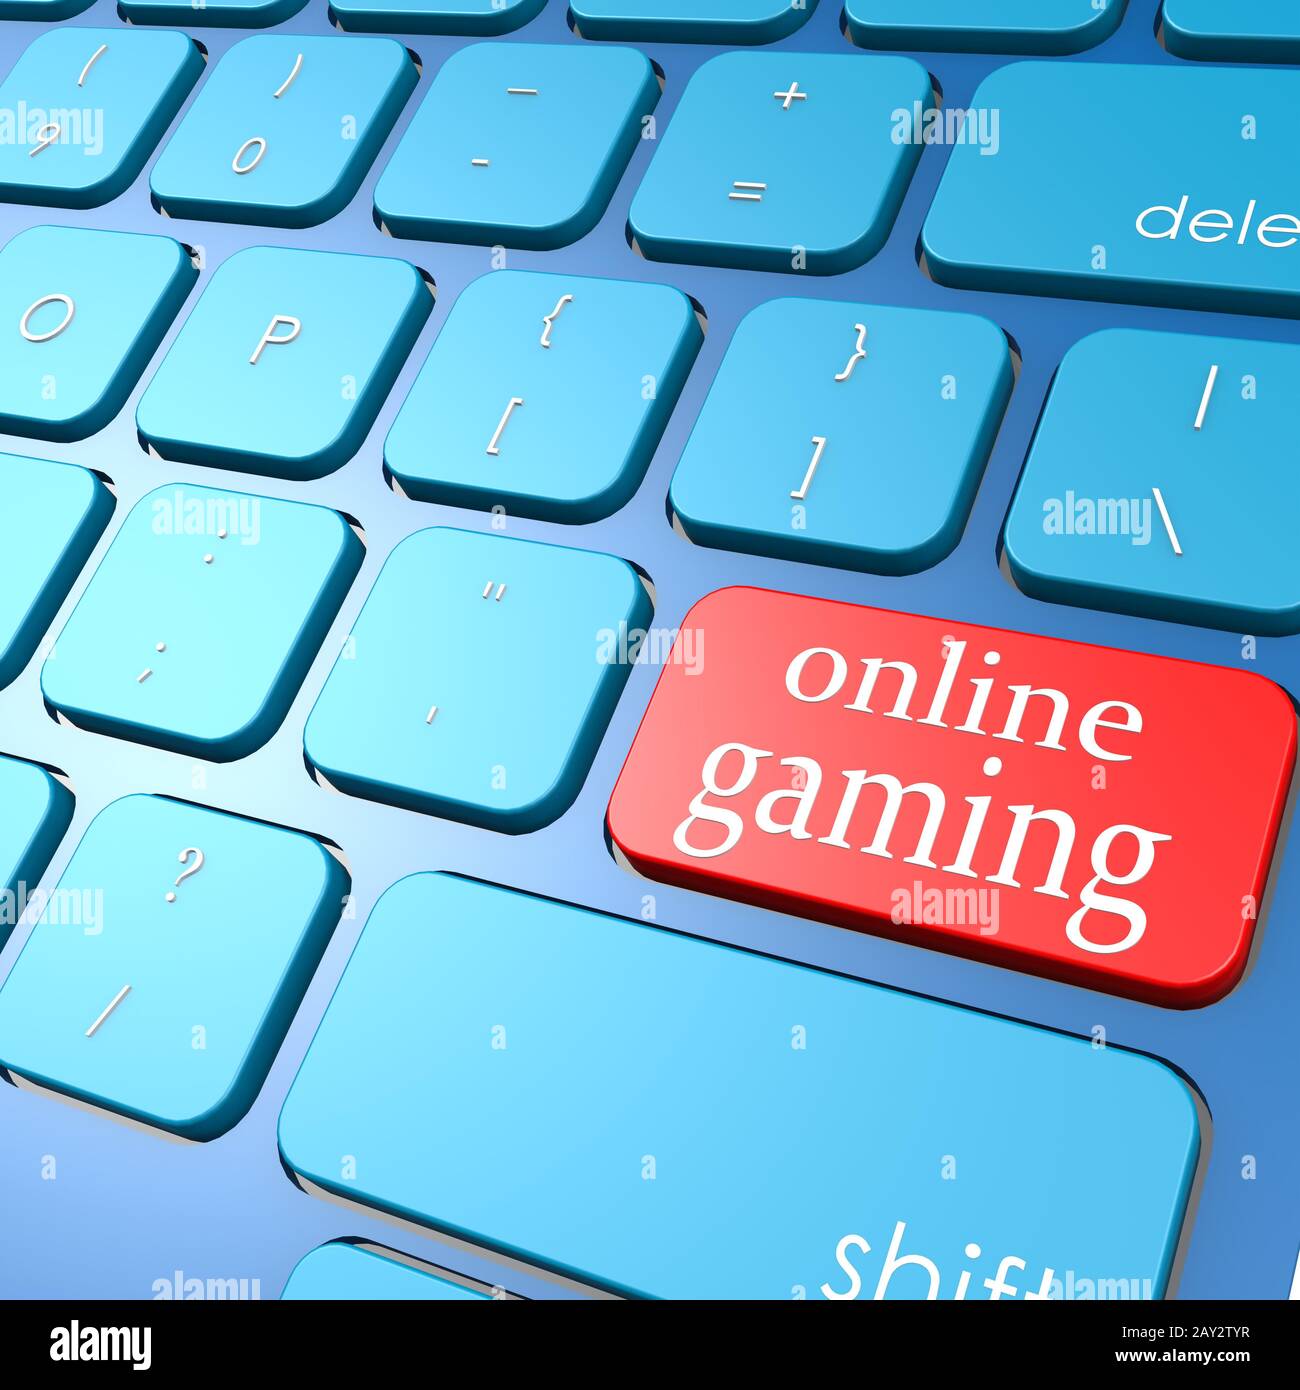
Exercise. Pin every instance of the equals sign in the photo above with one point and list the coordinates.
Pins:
(747, 192)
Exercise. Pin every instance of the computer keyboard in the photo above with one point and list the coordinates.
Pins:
(635, 661)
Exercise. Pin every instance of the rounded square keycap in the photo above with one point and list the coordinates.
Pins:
(615, 1101)
(517, 143)
(89, 106)
(751, 170)
(35, 812)
(51, 517)
(283, 130)
(544, 394)
(344, 1271)
(235, 14)
(1247, 31)
(845, 434)
(479, 678)
(434, 16)
(983, 26)
(198, 627)
(166, 998)
(284, 362)
(88, 310)
(689, 21)
(1160, 482)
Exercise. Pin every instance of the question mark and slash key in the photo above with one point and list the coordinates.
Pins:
(184, 857)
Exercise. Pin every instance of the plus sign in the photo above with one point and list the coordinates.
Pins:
(793, 95)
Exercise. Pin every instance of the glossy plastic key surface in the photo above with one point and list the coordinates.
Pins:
(544, 394)
(479, 678)
(1040, 203)
(434, 16)
(51, 517)
(341, 1270)
(845, 434)
(517, 143)
(689, 21)
(93, 104)
(284, 362)
(35, 811)
(751, 170)
(983, 26)
(598, 1096)
(161, 978)
(233, 14)
(1160, 482)
(283, 130)
(1247, 31)
(199, 625)
(1038, 804)
(85, 311)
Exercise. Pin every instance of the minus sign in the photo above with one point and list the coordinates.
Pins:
(480, 163)
(522, 92)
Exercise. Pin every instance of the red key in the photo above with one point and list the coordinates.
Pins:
(1096, 816)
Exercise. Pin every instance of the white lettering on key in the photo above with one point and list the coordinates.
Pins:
(268, 338)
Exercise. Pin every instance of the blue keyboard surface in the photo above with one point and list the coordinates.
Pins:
(212, 341)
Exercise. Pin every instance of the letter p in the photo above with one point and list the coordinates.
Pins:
(288, 321)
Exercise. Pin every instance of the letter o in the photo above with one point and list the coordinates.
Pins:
(69, 306)
(839, 673)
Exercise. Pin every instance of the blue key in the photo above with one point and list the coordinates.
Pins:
(169, 962)
(689, 21)
(51, 517)
(283, 364)
(512, 1080)
(983, 26)
(1210, 220)
(435, 16)
(35, 812)
(41, 10)
(845, 434)
(751, 171)
(343, 1271)
(1160, 482)
(1247, 31)
(284, 130)
(88, 310)
(95, 102)
(517, 143)
(198, 627)
(545, 394)
(479, 678)
(235, 14)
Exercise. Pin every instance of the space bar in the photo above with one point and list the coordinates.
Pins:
(1170, 186)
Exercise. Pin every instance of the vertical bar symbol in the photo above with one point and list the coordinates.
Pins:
(1205, 395)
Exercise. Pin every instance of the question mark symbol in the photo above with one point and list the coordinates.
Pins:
(183, 857)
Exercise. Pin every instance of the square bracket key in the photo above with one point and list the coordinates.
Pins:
(839, 434)
(517, 143)
(197, 629)
(479, 678)
(782, 161)
(544, 394)
(166, 979)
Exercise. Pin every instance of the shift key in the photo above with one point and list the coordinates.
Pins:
(1169, 186)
